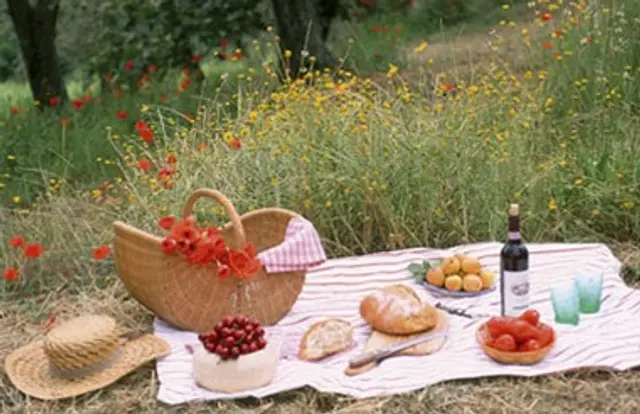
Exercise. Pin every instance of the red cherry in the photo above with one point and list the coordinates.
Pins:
(224, 352)
(239, 334)
(226, 332)
(219, 327)
(227, 321)
(248, 328)
(250, 337)
(241, 320)
(219, 349)
(202, 337)
(260, 332)
(261, 343)
(244, 349)
(253, 347)
(213, 335)
(234, 352)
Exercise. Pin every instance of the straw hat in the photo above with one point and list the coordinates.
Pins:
(81, 355)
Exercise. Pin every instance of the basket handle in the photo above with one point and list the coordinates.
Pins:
(228, 207)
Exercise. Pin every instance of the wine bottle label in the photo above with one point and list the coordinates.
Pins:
(515, 292)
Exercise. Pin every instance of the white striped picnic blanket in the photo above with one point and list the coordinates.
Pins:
(609, 339)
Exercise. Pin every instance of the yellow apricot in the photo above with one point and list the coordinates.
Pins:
(453, 282)
(471, 265)
(451, 265)
(488, 279)
(472, 283)
(435, 276)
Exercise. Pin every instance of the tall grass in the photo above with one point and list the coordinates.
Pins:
(379, 164)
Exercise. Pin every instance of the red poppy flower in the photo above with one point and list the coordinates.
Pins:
(235, 143)
(546, 17)
(169, 245)
(164, 97)
(375, 28)
(152, 68)
(77, 104)
(141, 125)
(238, 55)
(144, 164)
(243, 262)
(165, 172)
(185, 83)
(202, 147)
(64, 122)
(207, 250)
(547, 45)
(101, 252)
(196, 58)
(121, 114)
(33, 250)
(15, 110)
(186, 71)
(172, 159)
(224, 43)
(16, 241)
(54, 100)
(128, 65)
(146, 135)
(11, 274)
(167, 222)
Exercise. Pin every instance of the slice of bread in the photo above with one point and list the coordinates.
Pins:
(325, 338)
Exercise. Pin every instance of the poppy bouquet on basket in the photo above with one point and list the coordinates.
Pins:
(206, 246)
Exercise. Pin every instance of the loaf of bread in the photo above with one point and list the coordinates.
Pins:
(325, 338)
(397, 310)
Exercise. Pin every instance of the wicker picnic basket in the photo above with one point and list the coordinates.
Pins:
(191, 297)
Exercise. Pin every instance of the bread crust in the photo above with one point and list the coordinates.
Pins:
(337, 337)
(397, 310)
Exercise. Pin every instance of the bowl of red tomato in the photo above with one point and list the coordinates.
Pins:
(523, 340)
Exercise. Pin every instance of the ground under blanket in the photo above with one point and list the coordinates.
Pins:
(609, 339)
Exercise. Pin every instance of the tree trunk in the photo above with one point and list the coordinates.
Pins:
(35, 28)
(302, 27)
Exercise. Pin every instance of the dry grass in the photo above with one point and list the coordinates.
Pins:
(577, 392)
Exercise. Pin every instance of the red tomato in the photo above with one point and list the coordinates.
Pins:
(498, 325)
(505, 342)
(545, 335)
(532, 316)
(530, 345)
(522, 331)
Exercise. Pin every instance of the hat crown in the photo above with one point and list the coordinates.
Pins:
(81, 342)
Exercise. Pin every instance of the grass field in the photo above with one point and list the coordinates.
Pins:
(429, 150)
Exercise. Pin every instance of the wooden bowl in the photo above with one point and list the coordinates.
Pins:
(518, 358)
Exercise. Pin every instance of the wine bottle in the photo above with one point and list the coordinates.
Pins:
(514, 269)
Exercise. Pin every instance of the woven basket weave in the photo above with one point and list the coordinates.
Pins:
(192, 297)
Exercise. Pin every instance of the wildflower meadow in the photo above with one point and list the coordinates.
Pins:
(416, 138)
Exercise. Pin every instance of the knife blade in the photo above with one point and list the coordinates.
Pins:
(461, 312)
(380, 354)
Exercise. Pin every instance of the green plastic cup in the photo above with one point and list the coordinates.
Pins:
(566, 304)
(589, 292)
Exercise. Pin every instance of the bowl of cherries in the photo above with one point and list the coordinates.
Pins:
(523, 340)
(235, 356)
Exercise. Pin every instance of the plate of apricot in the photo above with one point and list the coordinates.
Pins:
(455, 276)
(523, 340)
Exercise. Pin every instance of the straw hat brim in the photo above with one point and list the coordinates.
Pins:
(29, 371)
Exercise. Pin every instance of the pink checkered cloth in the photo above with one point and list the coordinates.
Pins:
(300, 250)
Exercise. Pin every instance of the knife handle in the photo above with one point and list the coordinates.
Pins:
(369, 357)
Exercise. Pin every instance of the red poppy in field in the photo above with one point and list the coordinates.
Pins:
(77, 104)
(224, 43)
(101, 252)
(238, 55)
(546, 17)
(145, 164)
(164, 97)
(172, 159)
(121, 114)
(128, 65)
(185, 83)
(152, 68)
(196, 58)
(64, 122)
(11, 274)
(202, 147)
(141, 125)
(15, 110)
(165, 172)
(235, 143)
(167, 222)
(186, 71)
(16, 241)
(547, 45)
(33, 250)
(54, 100)
(146, 135)
(375, 28)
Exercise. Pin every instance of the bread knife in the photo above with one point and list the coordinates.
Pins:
(380, 354)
